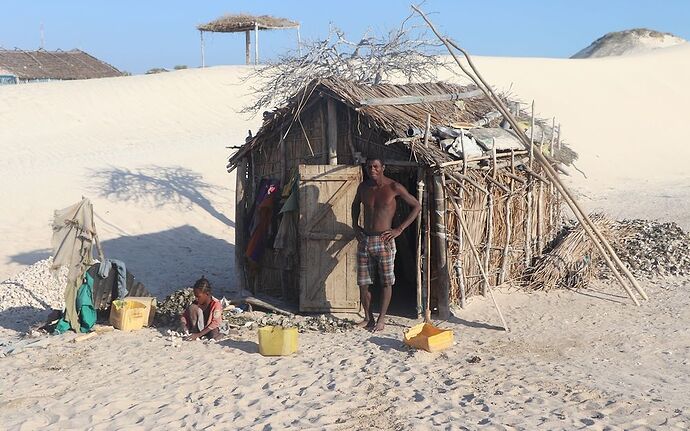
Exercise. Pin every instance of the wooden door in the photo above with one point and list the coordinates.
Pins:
(327, 247)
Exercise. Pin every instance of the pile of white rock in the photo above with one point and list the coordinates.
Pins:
(34, 287)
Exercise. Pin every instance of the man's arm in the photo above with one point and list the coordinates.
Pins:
(356, 207)
(415, 207)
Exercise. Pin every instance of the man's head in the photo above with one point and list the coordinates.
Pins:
(202, 291)
(375, 168)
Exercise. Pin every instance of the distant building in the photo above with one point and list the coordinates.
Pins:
(18, 66)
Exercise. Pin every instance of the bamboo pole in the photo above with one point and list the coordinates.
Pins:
(442, 274)
(598, 239)
(475, 253)
(530, 186)
(505, 258)
(461, 195)
(540, 211)
(420, 197)
(553, 208)
(427, 260)
(489, 221)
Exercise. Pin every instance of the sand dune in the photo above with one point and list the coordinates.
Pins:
(150, 152)
(625, 116)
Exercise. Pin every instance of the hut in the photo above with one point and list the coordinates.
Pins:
(297, 177)
(18, 66)
(244, 23)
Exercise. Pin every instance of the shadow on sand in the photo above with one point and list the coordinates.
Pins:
(245, 346)
(169, 260)
(159, 186)
(19, 319)
(458, 321)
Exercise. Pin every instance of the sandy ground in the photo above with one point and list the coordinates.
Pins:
(572, 360)
(150, 152)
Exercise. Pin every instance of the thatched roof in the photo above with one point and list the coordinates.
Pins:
(42, 64)
(393, 119)
(244, 22)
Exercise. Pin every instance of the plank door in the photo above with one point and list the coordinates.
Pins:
(327, 247)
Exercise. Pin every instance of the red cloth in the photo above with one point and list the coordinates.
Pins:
(213, 314)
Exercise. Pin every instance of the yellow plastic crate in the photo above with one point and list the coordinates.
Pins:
(128, 315)
(151, 305)
(277, 341)
(427, 337)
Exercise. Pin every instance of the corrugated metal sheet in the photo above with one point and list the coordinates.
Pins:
(503, 139)
(105, 288)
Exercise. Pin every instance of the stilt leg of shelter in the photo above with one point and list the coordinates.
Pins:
(247, 48)
(203, 59)
(256, 43)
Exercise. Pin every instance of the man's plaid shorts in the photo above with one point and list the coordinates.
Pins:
(373, 253)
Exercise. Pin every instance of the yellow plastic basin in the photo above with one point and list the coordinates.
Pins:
(427, 337)
(277, 341)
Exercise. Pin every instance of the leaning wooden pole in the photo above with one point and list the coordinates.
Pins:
(592, 231)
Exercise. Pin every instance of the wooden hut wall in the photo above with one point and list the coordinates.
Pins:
(475, 213)
(304, 144)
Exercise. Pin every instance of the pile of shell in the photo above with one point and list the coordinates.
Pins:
(168, 312)
(651, 248)
(168, 315)
(320, 323)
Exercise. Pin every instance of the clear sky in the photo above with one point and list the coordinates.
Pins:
(136, 35)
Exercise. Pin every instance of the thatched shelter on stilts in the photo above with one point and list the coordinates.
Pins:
(245, 23)
(441, 141)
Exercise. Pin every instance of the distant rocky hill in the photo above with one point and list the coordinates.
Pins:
(629, 42)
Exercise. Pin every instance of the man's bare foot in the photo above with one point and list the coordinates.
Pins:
(380, 326)
(366, 323)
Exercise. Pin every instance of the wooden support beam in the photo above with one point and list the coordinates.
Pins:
(256, 43)
(420, 198)
(203, 60)
(332, 131)
(241, 195)
(247, 48)
(412, 100)
(442, 272)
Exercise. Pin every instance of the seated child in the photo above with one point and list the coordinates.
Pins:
(203, 316)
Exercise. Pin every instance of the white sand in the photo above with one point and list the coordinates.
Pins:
(149, 151)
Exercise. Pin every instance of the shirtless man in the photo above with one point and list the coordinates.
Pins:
(376, 248)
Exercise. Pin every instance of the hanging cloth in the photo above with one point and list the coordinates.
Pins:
(261, 222)
(86, 312)
(73, 237)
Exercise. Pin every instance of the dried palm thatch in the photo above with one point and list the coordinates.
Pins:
(571, 263)
(244, 22)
